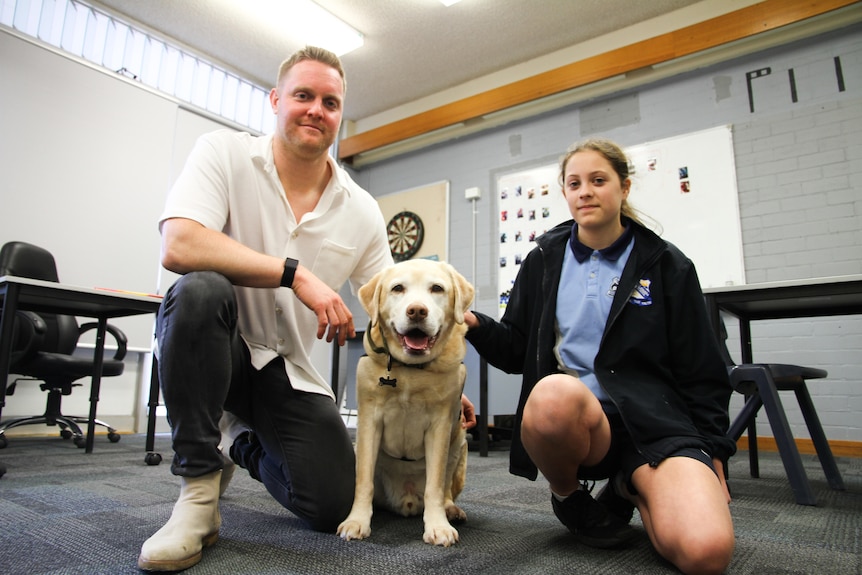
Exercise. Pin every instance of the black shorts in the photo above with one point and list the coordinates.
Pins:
(623, 456)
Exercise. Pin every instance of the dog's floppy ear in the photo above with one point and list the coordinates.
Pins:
(369, 297)
(464, 293)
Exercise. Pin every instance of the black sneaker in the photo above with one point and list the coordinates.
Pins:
(610, 497)
(590, 522)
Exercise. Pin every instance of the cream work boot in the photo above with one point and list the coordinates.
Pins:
(193, 525)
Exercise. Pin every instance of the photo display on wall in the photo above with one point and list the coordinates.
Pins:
(529, 203)
(683, 186)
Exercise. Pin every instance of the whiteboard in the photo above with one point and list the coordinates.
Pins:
(687, 185)
(684, 187)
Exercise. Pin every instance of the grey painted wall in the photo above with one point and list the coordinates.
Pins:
(798, 153)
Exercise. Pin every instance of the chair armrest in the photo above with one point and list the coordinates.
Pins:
(743, 377)
(28, 333)
(117, 333)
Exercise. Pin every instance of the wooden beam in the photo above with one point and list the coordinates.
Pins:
(839, 447)
(738, 25)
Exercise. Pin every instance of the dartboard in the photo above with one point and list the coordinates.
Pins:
(405, 235)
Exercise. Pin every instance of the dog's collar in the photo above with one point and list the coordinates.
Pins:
(384, 349)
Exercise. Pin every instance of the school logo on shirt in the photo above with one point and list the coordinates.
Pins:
(613, 289)
(641, 294)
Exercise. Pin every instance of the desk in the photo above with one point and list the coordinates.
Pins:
(50, 297)
(818, 297)
(838, 295)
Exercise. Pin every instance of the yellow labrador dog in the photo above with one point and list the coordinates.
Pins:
(411, 450)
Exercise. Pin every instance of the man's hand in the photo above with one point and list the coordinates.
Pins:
(468, 413)
(331, 311)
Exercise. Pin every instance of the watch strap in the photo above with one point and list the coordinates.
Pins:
(289, 272)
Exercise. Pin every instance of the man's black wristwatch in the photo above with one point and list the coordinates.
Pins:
(289, 272)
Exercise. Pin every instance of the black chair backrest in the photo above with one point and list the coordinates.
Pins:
(26, 260)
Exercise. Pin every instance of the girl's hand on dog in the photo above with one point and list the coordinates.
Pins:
(468, 413)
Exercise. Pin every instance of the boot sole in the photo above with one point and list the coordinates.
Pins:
(178, 564)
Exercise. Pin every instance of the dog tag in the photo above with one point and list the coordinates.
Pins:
(388, 381)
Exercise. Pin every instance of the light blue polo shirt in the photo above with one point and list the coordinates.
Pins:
(588, 283)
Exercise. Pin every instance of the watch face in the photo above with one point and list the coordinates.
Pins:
(405, 235)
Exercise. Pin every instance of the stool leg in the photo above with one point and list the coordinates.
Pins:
(746, 419)
(784, 438)
(821, 444)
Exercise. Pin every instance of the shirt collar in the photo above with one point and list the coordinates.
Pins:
(612, 252)
(339, 177)
(262, 151)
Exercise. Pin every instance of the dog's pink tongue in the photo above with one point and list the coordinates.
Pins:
(417, 342)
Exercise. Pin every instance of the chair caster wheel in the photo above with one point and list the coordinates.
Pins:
(80, 441)
(66, 434)
(153, 458)
(3, 442)
(113, 436)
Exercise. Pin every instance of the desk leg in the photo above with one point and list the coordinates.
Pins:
(483, 408)
(748, 357)
(714, 318)
(753, 457)
(745, 341)
(152, 458)
(98, 357)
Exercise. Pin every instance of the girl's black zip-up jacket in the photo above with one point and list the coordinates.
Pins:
(658, 359)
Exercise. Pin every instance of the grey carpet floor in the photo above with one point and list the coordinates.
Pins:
(66, 512)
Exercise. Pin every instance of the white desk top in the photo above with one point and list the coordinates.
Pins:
(836, 295)
(785, 284)
(39, 295)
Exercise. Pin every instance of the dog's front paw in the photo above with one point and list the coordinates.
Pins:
(354, 529)
(443, 534)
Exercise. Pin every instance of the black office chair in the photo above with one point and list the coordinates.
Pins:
(44, 346)
(760, 384)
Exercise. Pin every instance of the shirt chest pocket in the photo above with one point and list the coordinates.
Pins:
(334, 263)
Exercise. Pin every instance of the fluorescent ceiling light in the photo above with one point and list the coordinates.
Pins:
(307, 23)
(449, 2)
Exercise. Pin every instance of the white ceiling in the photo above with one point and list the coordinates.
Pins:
(413, 48)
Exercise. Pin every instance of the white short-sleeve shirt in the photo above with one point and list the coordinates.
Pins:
(230, 184)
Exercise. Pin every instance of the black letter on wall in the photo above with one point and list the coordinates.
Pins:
(839, 74)
(749, 76)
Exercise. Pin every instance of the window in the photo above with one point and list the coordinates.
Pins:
(99, 38)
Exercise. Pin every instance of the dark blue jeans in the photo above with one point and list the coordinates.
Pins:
(299, 448)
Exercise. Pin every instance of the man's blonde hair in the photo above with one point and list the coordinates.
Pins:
(312, 53)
